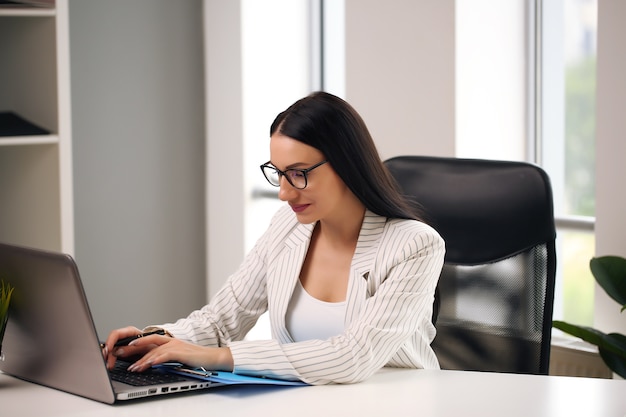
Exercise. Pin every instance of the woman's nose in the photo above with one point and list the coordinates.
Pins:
(286, 190)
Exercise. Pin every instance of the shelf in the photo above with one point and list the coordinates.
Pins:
(35, 139)
(26, 11)
(29, 140)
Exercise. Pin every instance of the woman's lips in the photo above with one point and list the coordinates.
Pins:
(298, 208)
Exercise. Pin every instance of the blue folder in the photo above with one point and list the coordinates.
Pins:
(227, 378)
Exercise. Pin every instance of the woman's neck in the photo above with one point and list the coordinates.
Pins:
(344, 228)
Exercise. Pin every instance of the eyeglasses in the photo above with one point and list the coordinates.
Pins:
(296, 177)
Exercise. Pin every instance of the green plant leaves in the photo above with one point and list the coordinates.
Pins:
(5, 297)
(617, 363)
(610, 273)
(593, 336)
(612, 347)
(6, 290)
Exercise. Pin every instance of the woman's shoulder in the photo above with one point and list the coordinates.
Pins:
(400, 240)
(409, 230)
(410, 224)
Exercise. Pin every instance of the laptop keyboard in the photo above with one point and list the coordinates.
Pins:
(150, 377)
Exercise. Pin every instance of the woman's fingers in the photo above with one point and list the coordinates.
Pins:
(175, 350)
(109, 349)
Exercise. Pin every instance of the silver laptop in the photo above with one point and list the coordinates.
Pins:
(51, 339)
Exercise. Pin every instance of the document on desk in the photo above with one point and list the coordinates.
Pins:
(225, 378)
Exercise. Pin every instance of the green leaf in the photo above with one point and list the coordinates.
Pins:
(610, 273)
(615, 362)
(5, 298)
(613, 344)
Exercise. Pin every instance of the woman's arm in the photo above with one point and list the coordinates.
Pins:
(236, 307)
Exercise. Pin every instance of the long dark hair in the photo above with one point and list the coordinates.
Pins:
(332, 126)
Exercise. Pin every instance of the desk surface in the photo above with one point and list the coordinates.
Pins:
(388, 393)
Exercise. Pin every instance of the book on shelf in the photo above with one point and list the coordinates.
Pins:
(11, 124)
(27, 3)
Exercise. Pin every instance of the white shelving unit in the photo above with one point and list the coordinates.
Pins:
(36, 192)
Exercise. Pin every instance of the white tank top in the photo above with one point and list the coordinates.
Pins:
(309, 318)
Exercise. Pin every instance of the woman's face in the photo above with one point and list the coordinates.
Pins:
(325, 191)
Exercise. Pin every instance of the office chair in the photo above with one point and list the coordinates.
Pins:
(496, 290)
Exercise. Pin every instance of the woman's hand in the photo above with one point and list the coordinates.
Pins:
(111, 352)
(159, 349)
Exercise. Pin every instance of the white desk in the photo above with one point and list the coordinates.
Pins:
(388, 393)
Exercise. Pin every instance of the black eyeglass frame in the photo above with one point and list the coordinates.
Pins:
(304, 173)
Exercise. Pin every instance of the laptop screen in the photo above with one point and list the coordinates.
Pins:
(50, 338)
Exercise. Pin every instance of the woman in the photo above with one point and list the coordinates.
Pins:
(346, 270)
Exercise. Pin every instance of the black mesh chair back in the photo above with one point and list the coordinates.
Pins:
(496, 291)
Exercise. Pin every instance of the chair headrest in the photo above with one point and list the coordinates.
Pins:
(485, 210)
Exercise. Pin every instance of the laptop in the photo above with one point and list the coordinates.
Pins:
(51, 339)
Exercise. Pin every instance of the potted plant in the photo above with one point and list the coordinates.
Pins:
(6, 290)
(610, 273)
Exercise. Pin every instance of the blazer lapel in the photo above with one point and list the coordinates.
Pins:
(285, 276)
(360, 287)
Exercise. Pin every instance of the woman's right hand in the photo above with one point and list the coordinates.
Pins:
(111, 352)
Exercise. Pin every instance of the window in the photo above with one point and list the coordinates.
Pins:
(280, 61)
(526, 91)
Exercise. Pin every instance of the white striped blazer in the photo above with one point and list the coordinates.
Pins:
(390, 295)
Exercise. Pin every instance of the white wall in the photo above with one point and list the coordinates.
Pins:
(610, 151)
(138, 148)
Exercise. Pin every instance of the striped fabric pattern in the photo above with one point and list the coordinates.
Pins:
(390, 295)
